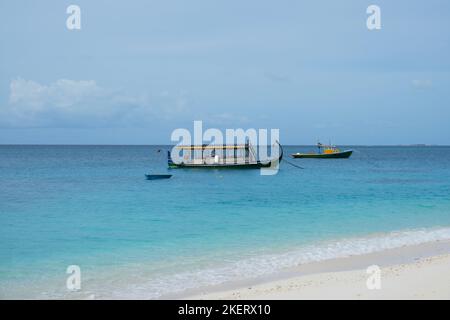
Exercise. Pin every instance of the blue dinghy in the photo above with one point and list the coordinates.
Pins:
(157, 176)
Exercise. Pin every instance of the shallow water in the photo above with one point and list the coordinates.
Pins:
(91, 206)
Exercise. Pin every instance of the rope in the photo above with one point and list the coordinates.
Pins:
(292, 164)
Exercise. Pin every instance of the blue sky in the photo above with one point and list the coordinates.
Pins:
(137, 70)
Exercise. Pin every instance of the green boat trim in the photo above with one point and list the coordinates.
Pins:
(335, 155)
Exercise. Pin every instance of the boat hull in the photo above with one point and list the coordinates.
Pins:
(257, 165)
(157, 176)
(338, 155)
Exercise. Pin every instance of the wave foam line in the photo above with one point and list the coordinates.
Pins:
(271, 263)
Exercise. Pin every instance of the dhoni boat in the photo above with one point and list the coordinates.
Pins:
(238, 156)
(325, 152)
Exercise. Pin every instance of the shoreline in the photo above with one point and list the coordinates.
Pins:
(339, 277)
(409, 272)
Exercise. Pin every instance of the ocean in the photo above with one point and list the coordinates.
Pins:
(91, 206)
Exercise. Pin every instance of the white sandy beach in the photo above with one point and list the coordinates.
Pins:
(413, 272)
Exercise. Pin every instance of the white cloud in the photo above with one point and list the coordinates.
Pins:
(84, 103)
(62, 93)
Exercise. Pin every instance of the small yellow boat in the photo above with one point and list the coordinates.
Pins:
(325, 152)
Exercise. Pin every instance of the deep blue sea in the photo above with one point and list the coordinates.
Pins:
(91, 206)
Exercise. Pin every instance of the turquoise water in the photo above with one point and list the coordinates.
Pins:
(91, 206)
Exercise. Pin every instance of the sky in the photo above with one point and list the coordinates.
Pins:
(139, 69)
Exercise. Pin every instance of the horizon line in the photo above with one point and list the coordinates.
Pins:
(287, 145)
